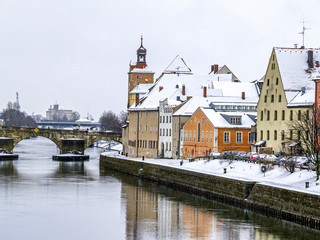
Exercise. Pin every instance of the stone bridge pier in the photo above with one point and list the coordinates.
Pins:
(68, 141)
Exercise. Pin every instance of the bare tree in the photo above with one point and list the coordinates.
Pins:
(110, 121)
(305, 129)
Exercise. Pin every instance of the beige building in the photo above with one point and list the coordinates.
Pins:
(287, 93)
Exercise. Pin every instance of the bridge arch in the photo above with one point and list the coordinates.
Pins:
(57, 136)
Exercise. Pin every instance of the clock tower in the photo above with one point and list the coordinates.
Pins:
(139, 73)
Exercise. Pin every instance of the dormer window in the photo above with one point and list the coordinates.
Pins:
(235, 120)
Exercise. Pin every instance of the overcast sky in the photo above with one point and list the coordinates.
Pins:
(77, 52)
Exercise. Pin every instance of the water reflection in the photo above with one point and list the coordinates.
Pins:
(157, 212)
(8, 169)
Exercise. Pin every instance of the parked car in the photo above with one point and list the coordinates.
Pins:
(271, 157)
(262, 156)
(254, 156)
(215, 154)
(302, 161)
(241, 155)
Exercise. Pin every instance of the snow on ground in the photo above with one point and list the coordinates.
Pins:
(275, 176)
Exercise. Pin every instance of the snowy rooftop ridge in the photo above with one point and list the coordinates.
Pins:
(294, 69)
(177, 66)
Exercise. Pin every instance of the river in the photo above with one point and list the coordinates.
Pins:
(45, 199)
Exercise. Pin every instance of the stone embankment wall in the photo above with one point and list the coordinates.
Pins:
(281, 203)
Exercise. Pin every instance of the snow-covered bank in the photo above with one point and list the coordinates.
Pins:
(276, 176)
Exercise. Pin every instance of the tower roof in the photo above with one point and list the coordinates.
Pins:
(141, 49)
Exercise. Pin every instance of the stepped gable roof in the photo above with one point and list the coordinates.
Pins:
(177, 66)
(219, 120)
(294, 68)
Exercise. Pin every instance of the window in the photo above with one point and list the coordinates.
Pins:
(249, 137)
(210, 136)
(166, 119)
(146, 114)
(170, 119)
(291, 133)
(187, 136)
(207, 136)
(195, 120)
(160, 132)
(261, 116)
(235, 120)
(194, 136)
(307, 114)
(275, 134)
(268, 82)
(265, 98)
(283, 114)
(268, 134)
(199, 131)
(190, 133)
(291, 115)
(140, 114)
(276, 115)
(202, 120)
(167, 132)
(299, 115)
(282, 135)
(169, 146)
(268, 115)
(160, 120)
(299, 135)
(202, 136)
(261, 135)
(239, 137)
(277, 81)
(272, 98)
(279, 98)
(226, 137)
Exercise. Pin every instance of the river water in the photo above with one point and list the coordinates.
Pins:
(45, 199)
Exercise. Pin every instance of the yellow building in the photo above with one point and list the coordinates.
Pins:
(287, 93)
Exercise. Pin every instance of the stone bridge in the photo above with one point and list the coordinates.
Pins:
(66, 140)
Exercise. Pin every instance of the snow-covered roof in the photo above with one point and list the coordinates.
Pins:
(141, 70)
(177, 66)
(294, 69)
(171, 88)
(302, 99)
(142, 88)
(83, 120)
(218, 119)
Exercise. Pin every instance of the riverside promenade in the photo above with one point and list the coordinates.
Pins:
(275, 193)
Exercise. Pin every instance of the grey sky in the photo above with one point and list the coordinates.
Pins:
(76, 52)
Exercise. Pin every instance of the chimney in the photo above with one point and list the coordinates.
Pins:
(205, 91)
(177, 86)
(183, 90)
(160, 88)
(137, 99)
(215, 68)
(243, 95)
(310, 58)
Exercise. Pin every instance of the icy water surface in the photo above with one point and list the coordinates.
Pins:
(43, 199)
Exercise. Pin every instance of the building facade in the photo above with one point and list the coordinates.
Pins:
(287, 93)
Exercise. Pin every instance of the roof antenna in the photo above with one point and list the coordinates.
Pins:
(303, 32)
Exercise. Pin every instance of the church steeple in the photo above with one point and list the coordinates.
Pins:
(141, 55)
